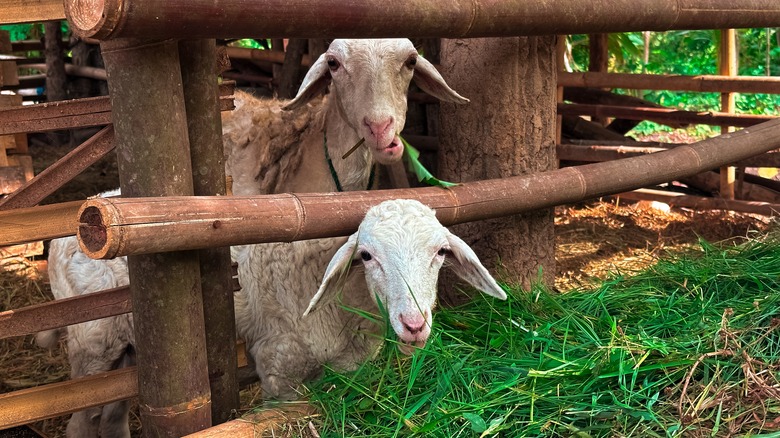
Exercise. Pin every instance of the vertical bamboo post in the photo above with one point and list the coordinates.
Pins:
(727, 66)
(198, 64)
(153, 155)
(560, 65)
(598, 60)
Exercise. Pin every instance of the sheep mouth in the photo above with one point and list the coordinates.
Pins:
(408, 347)
(391, 152)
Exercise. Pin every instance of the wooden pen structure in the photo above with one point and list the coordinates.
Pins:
(164, 108)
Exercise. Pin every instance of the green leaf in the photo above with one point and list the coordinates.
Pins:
(478, 425)
(412, 157)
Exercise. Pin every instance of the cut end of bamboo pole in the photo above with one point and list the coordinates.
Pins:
(93, 18)
(93, 233)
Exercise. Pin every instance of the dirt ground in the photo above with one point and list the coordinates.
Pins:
(593, 240)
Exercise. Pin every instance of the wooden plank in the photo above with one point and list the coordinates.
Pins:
(8, 72)
(8, 142)
(35, 404)
(30, 11)
(24, 250)
(59, 313)
(39, 223)
(11, 179)
(25, 162)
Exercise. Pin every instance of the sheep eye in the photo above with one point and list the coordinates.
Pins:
(411, 62)
(333, 65)
(365, 256)
(443, 252)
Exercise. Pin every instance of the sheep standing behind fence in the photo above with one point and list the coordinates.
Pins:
(270, 150)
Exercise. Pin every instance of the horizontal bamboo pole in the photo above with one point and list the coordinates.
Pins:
(114, 227)
(39, 223)
(702, 203)
(597, 152)
(272, 56)
(75, 113)
(406, 18)
(63, 170)
(700, 83)
(35, 404)
(26, 11)
(259, 424)
(662, 115)
(62, 398)
(64, 312)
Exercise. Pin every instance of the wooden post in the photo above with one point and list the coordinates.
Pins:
(199, 74)
(598, 61)
(560, 63)
(154, 160)
(727, 66)
(500, 134)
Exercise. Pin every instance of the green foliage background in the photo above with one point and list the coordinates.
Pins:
(693, 52)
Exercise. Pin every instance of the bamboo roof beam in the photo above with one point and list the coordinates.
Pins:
(406, 18)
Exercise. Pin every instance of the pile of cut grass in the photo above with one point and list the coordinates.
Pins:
(689, 347)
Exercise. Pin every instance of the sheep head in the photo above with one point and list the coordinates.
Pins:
(369, 78)
(401, 247)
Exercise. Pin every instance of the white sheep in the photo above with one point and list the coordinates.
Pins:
(400, 246)
(93, 346)
(271, 150)
(275, 146)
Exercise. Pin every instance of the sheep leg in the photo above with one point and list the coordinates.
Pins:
(281, 365)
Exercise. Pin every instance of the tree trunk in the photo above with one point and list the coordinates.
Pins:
(507, 129)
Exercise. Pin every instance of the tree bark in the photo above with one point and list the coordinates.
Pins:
(56, 81)
(290, 78)
(507, 129)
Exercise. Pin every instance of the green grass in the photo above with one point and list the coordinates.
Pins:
(688, 347)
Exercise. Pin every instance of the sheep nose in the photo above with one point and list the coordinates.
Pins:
(378, 128)
(413, 325)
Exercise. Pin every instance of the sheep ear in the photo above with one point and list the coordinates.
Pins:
(429, 80)
(337, 271)
(468, 267)
(315, 82)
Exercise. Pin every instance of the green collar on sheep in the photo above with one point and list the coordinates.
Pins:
(333, 169)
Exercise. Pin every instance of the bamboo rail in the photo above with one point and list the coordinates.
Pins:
(45, 222)
(259, 424)
(406, 18)
(62, 171)
(34, 404)
(60, 313)
(75, 113)
(663, 115)
(702, 203)
(700, 83)
(115, 227)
